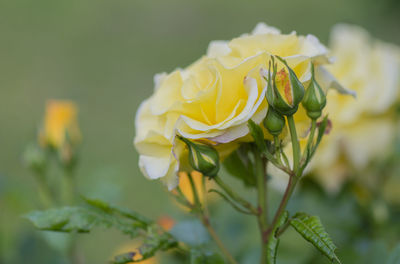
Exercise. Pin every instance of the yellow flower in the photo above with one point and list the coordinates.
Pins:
(362, 128)
(60, 124)
(213, 99)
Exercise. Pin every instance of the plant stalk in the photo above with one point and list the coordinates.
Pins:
(205, 219)
(262, 202)
(234, 195)
(295, 144)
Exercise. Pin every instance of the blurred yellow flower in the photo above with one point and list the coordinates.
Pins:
(363, 128)
(60, 124)
(213, 99)
(186, 188)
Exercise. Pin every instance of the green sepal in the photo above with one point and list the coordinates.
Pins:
(258, 135)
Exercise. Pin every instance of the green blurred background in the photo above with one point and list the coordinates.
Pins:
(103, 55)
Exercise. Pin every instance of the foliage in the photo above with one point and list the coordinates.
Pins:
(311, 229)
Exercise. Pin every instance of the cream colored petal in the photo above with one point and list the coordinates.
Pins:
(154, 167)
(218, 48)
(241, 130)
(262, 28)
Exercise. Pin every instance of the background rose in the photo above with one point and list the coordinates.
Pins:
(363, 129)
(213, 98)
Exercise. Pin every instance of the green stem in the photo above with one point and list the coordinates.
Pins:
(277, 149)
(295, 144)
(285, 199)
(204, 217)
(262, 202)
(194, 191)
(293, 176)
(68, 188)
(234, 195)
(218, 241)
(68, 196)
(44, 191)
(312, 132)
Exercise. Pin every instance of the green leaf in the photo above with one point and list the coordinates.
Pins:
(273, 241)
(154, 242)
(240, 166)
(394, 257)
(311, 229)
(258, 135)
(200, 257)
(112, 209)
(80, 220)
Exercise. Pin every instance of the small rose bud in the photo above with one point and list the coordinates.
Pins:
(284, 90)
(274, 122)
(314, 99)
(202, 157)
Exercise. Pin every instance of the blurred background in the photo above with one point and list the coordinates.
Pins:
(103, 55)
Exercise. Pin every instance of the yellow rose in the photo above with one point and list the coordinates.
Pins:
(60, 124)
(213, 99)
(362, 128)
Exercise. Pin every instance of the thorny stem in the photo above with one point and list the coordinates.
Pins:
(293, 175)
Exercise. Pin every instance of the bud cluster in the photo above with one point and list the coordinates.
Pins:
(284, 94)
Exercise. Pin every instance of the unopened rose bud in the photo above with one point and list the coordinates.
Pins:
(202, 157)
(314, 99)
(285, 91)
(274, 122)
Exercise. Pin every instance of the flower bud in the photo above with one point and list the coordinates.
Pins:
(285, 91)
(202, 157)
(60, 125)
(314, 99)
(274, 122)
